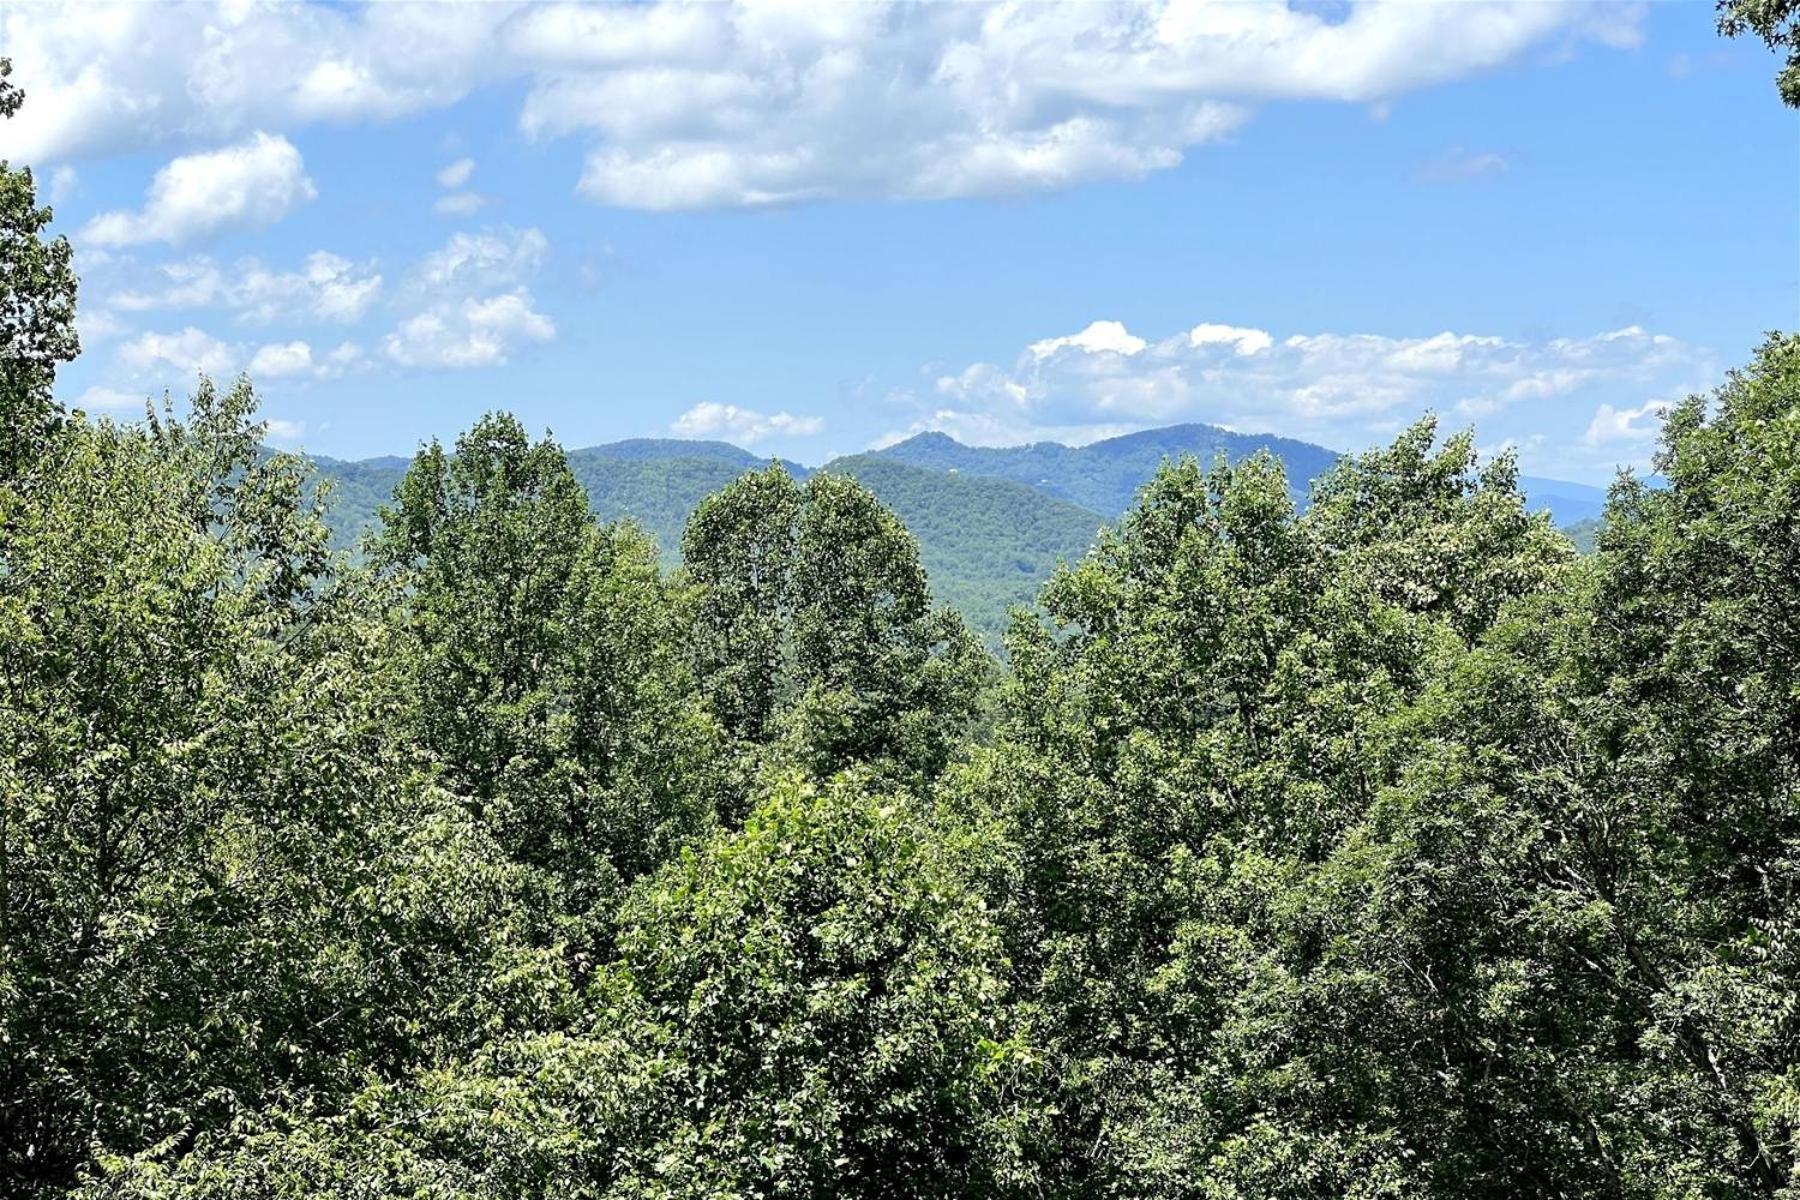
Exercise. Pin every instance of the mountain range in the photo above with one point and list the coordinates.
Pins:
(992, 522)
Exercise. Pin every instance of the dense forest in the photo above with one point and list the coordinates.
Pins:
(1381, 847)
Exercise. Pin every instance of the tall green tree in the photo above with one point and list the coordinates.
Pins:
(37, 307)
(739, 548)
(815, 628)
(545, 662)
(1188, 765)
(1643, 750)
(217, 885)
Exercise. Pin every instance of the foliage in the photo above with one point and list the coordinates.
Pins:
(814, 631)
(1777, 23)
(37, 306)
(216, 883)
(543, 664)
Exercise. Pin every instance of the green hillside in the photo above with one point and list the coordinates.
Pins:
(657, 493)
(987, 544)
(1584, 534)
(656, 482)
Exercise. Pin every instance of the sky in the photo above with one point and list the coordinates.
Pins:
(812, 229)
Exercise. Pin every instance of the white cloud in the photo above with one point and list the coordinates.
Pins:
(296, 360)
(282, 358)
(492, 258)
(281, 430)
(1458, 165)
(109, 77)
(469, 306)
(1244, 341)
(344, 357)
(1625, 424)
(755, 103)
(182, 354)
(1334, 388)
(459, 204)
(472, 333)
(191, 283)
(257, 182)
(96, 325)
(456, 174)
(1102, 337)
(709, 419)
(328, 288)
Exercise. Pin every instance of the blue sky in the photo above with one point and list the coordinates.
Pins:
(813, 229)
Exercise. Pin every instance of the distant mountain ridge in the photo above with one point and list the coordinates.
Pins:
(1105, 476)
(992, 522)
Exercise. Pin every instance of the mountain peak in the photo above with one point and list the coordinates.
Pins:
(929, 438)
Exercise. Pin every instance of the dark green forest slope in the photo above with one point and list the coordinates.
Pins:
(987, 544)
(656, 482)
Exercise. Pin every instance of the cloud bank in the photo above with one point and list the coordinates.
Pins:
(1340, 389)
(694, 106)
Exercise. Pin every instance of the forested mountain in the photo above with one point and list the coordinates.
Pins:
(656, 482)
(987, 544)
(992, 523)
(1105, 476)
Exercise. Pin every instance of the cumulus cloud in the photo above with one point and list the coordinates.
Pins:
(713, 420)
(181, 355)
(690, 106)
(1638, 424)
(101, 398)
(492, 258)
(156, 361)
(470, 306)
(460, 202)
(64, 183)
(282, 358)
(456, 174)
(1102, 337)
(97, 325)
(1335, 388)
(327, 287)
(473, 333)
(296, 359)
(256, 182)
